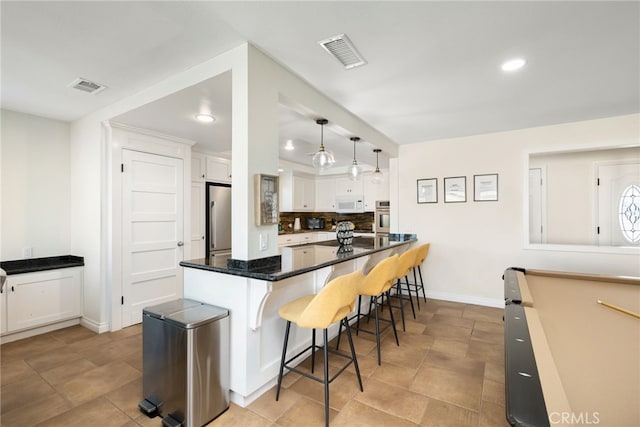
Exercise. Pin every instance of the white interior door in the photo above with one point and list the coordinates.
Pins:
(612, 182)
(152, 232)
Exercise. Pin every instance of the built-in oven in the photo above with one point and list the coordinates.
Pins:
(383, 217)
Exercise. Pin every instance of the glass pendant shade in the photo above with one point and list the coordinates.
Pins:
(376, 176)
(323, 159)
(355, 170)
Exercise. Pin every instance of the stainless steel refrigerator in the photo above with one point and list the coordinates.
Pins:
(218, 222)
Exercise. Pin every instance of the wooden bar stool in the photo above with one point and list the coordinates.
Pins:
(376, 284)
(332, 304)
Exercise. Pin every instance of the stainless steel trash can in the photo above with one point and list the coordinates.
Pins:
(185, 362)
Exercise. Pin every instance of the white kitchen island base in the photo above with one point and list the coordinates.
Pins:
(257, 331)
(253, 299)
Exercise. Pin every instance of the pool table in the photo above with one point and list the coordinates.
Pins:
(570, 360)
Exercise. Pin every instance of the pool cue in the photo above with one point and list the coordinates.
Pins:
(620, 309)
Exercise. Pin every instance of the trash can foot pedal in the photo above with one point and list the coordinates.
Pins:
(149, 407)
(169, 421)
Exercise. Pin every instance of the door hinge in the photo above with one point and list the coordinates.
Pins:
(122, 167)
(598, 182)
(122, 300)
(597, 230)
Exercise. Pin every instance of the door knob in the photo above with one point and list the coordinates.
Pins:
(180, 243)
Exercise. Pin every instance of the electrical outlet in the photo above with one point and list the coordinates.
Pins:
(264, 241)
(27, 252)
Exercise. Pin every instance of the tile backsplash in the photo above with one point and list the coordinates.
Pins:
(361, 221)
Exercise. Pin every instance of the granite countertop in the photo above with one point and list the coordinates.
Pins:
(316, 230)
(41, 264)
(316, 255)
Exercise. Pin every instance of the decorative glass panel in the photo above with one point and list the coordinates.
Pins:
(629, 213)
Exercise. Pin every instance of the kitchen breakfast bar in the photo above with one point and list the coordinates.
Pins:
(254, 295)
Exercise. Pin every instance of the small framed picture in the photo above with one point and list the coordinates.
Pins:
(428, 190)
(266, 199)
(455, 189)
(485, 187)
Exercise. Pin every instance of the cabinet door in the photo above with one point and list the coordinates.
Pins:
(303, 194)
(35, 299)
(325, 195)
(218, 169)
(198, 167)
(310, 193)
(303, 257)
(197, 220)
(347, 187)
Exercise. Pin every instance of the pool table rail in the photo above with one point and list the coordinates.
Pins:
(524, 399)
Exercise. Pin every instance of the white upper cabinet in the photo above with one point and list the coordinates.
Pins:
(218, 169)
(297, 193)
(210, 168)
(347, 187)
(325, 194)
(198, 167)
(304, 194)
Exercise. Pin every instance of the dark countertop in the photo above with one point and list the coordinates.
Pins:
(41, 264)
(318, 230)
(316, 255)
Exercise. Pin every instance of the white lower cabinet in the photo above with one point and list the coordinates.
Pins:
(36, 299)
(303, 256)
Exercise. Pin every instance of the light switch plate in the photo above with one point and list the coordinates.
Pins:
(264, 241)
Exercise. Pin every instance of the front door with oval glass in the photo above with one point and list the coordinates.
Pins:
(618, 194)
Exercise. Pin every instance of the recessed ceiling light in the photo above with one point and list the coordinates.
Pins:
(289, 145)
(280, 170)
(513, 64)
(205, 118)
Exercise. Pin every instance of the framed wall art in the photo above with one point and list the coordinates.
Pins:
(485, 187)
(428, 190)
(455, 189)
(266, 199)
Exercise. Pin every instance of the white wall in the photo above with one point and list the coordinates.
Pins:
(35, 186)
(473, 242)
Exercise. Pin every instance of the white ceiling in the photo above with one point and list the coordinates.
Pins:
(433, 67)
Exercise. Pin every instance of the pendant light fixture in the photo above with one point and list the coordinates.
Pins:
(355, 170)
(323, 159)
(376, 176)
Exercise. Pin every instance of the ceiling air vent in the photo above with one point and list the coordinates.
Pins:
(341, 48)
(87, 86)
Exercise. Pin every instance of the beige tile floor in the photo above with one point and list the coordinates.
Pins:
(447, 371)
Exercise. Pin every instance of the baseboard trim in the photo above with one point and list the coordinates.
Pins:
(466, 299)
(94, 326)
(38, 330)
